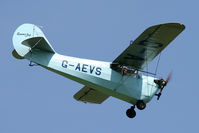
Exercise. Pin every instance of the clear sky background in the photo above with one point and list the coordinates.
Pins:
(35, 100)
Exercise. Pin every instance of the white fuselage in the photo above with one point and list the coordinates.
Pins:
(98, 75)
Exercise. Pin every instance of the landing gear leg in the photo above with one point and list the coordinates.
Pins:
(131, 112)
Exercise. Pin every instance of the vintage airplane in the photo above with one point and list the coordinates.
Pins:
(123, 78)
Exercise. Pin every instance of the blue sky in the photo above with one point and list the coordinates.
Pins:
(33, 99)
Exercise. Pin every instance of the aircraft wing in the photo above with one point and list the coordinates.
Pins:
(148, 45)
(90, 95)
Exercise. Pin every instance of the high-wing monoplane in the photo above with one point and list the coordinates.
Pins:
(124, 78)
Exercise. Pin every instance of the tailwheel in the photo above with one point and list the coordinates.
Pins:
(141, 104)
(131, 112)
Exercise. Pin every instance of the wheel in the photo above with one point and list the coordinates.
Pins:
(140, 105)
(131, 113)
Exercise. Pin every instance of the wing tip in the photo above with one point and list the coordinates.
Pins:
(182, 26)
(176, 24)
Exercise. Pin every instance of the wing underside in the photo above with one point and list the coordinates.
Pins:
(90, 95)
(148, 45)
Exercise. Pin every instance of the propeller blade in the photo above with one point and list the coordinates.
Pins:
(169, 77)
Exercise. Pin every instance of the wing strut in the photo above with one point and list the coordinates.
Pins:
(156, 69)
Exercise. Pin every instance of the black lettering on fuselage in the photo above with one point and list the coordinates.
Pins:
(98, 71)
(92, 69)
(83, 68)
(64, 63)
(78, 67)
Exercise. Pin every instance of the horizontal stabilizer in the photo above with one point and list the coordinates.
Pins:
(38, 43)
(16, 55)
(90, 95)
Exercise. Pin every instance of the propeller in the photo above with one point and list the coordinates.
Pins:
(162, 83)
(169, 77)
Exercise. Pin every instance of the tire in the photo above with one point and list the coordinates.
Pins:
(140, 105)
(131, 113)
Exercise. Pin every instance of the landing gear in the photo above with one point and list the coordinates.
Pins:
(131, 112)
(141, 104)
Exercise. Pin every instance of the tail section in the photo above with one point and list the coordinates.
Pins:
(16, 55)
(28, 37)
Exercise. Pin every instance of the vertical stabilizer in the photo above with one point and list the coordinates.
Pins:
(29, 36)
